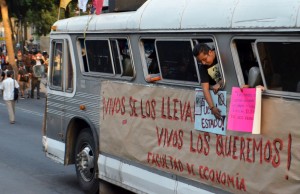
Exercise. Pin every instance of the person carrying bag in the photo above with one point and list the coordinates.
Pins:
(9, 86)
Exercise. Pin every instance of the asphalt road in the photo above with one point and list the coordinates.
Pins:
(24, 167)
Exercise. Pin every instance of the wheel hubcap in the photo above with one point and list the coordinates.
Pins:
(85, 163)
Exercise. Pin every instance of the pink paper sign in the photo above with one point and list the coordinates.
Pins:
(241, 111)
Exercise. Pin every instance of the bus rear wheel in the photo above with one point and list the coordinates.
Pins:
(86, 162)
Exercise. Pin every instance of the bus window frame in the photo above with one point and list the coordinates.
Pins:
(238, 68)
(218, 55)
(158, 61)
(191, 38)
(235, 57)
(102, 74)
(110, 54)
(54, 42)
(115, 41)
(67, 48)
(286, 94)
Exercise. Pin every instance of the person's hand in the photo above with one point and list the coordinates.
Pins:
(148, 78)
(216, 112)
(261, 87)
(216, 88)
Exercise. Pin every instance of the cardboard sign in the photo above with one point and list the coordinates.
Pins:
(154, 126)
(245, 110)
(204, 119)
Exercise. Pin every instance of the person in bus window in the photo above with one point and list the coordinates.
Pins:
(153, 69)
(209, 73)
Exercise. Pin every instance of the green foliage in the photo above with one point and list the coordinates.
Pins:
(39, 13)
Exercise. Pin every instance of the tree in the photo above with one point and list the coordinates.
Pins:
(40, 13)
(8, 35)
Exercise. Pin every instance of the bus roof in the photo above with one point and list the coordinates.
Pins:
(193, 15)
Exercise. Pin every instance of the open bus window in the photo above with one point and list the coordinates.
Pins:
(215, 72)
(122, 57)
(56, 72)
(150, 56)
(280, 63)
(247, 59)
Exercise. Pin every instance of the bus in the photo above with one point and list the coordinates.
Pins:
(103, 116)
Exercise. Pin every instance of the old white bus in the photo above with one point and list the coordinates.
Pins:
(104, 117)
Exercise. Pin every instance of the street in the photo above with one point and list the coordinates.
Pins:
(23, 165)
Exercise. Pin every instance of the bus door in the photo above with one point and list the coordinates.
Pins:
(61, 88)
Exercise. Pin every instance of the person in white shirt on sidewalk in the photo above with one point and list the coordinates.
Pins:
(8, 94)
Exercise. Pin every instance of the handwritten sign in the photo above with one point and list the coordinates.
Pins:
(204, 119)
(153, 126)
(244, 112)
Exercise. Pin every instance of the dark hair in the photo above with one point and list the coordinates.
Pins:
(9, 73)
(201, 48)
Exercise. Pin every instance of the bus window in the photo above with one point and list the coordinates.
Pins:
(170, 60)
(176, 60)
(69, 74)
(122, 57)
(280, 64)
(98, 56)
(56, 67)
(215, 73)
(83, 54)
(150, 56)
(246, 58)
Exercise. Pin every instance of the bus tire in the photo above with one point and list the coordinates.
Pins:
(86, 162)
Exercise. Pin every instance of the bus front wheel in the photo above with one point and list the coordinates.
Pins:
(86, 162)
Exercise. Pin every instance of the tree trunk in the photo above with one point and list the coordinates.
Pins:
(8, 36)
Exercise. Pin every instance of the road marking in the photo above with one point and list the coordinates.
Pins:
(27, 111)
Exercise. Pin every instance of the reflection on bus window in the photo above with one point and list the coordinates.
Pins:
(56, 68)
(281, 65)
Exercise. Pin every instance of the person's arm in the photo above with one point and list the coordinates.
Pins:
(217, 86)
(19, 77)
(153, 77)
(214, 110)
(259, 86)
(16, 84)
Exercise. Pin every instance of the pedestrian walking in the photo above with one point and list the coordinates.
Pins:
(8, 86)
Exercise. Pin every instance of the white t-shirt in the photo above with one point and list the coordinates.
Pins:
(8, 88)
